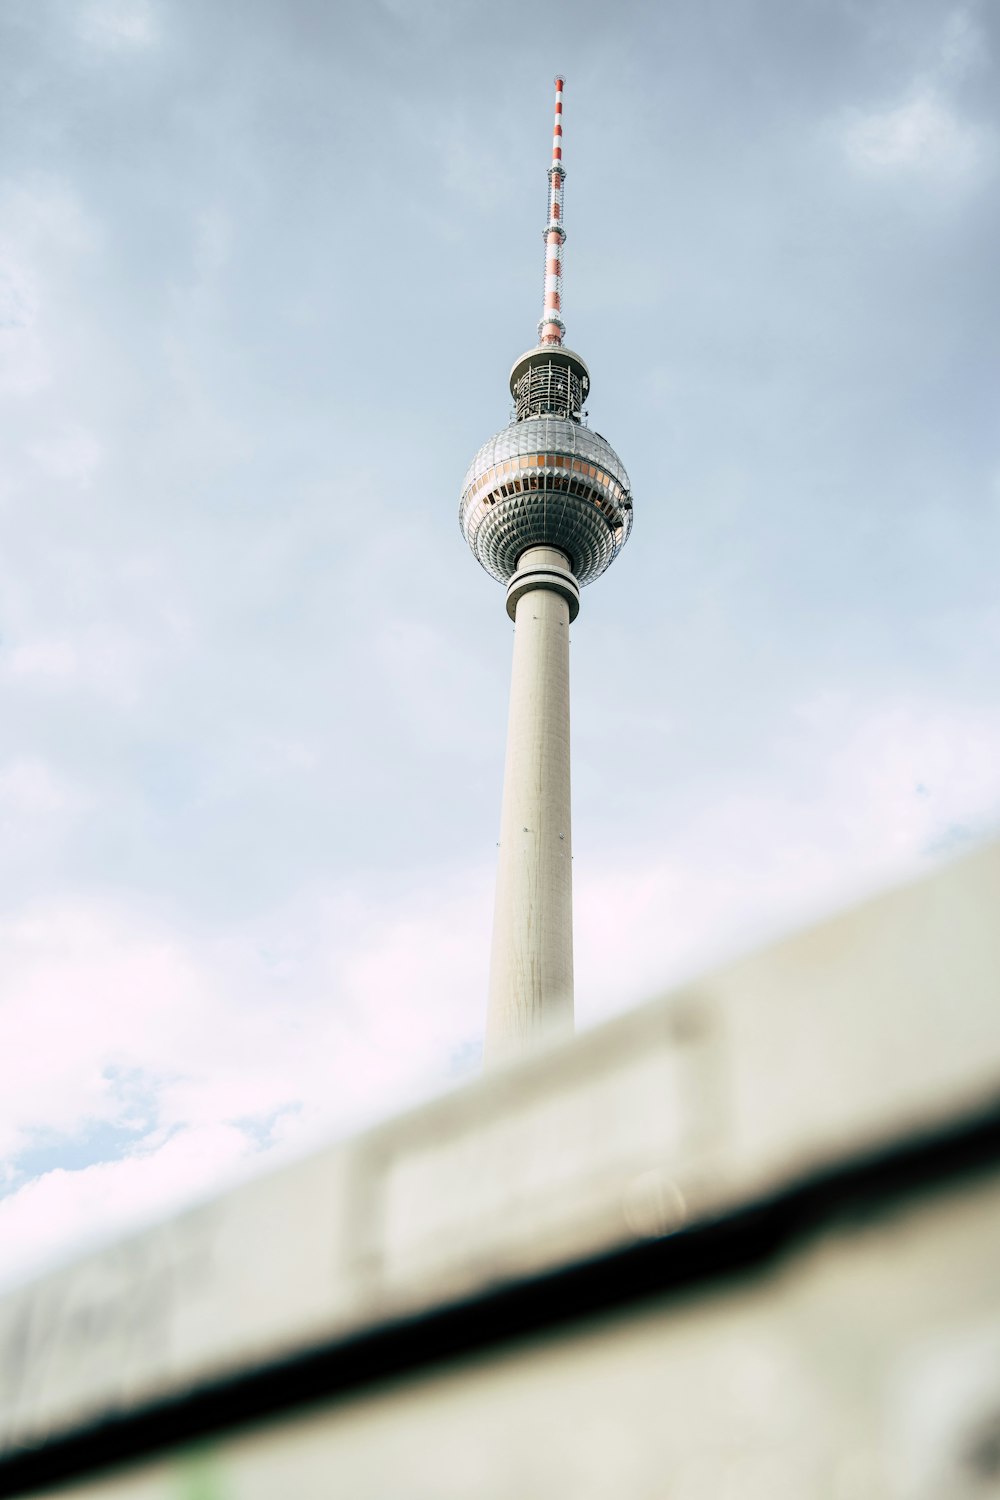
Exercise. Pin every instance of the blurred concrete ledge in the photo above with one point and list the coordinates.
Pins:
(689, 1137)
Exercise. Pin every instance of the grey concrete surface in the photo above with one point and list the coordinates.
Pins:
(531, 964)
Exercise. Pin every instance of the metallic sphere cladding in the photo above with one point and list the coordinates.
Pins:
(546, 481)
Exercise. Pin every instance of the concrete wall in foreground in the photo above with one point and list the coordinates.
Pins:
(872, 1029)
(865, 1367)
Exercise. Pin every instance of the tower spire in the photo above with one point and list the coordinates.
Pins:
(551, 327)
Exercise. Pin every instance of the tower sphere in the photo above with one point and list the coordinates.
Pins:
(546, 480)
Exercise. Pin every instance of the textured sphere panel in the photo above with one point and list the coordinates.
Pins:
(548, 482)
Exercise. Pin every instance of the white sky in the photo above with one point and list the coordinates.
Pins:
(263, 270)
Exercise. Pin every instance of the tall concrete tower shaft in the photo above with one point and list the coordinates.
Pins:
(531, 969)
(546, 507)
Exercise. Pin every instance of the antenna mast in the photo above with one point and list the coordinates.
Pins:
(551, 326)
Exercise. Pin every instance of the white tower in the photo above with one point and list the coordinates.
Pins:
(546, 508)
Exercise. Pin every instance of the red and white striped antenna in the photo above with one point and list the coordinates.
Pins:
(551, 326)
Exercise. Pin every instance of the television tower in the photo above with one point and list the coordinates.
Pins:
(546, 508)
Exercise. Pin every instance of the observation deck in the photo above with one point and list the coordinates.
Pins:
(547, 480)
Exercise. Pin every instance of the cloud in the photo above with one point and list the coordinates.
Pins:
(98, 659)
(963, 47)
(61, 1209)
(41, 810)
(212, 1050)
(213, 242)
(24, 367)
(42, 226)
(86, 993)
(120, 25)
(43, 217)
(71, 454)
(922, 136)
(30, 787)
(862, 796)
